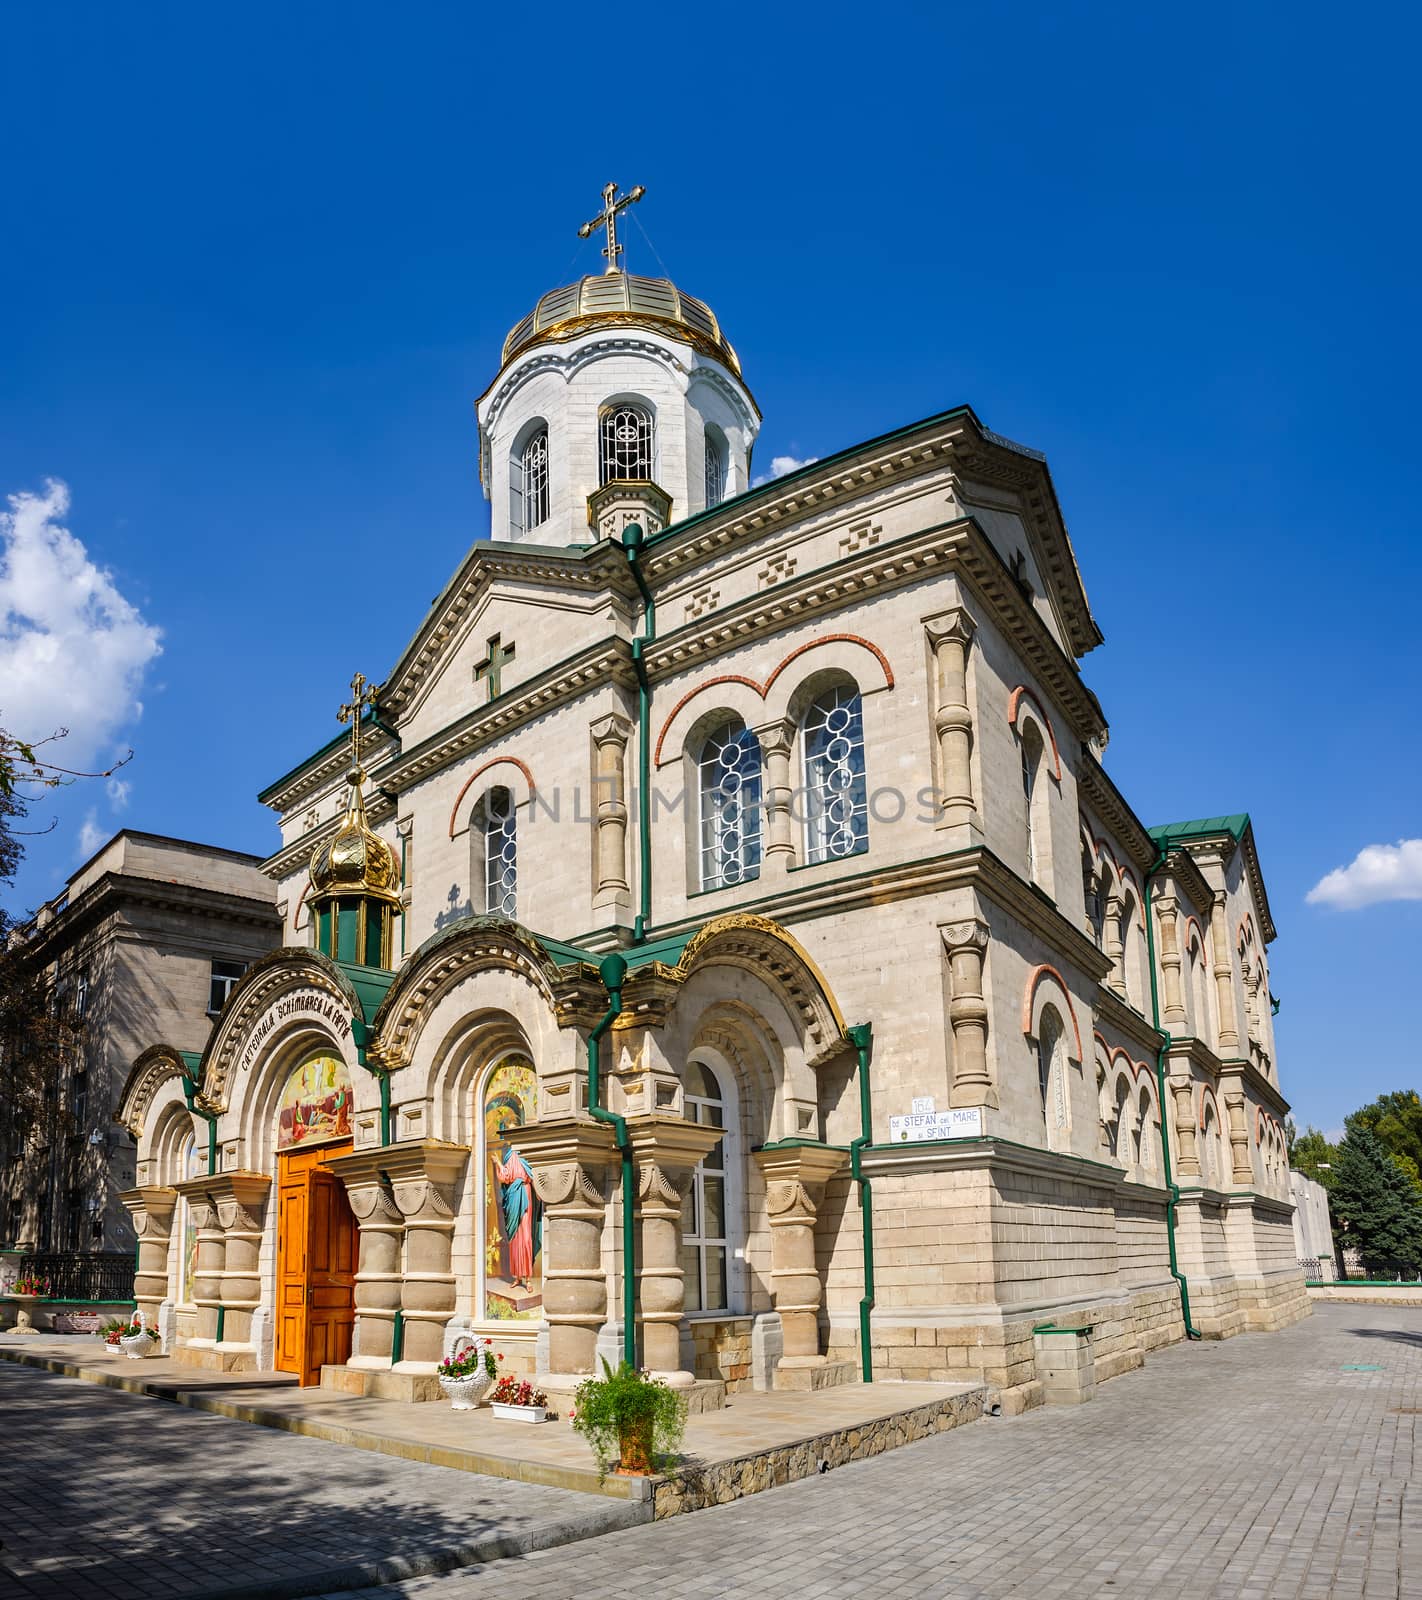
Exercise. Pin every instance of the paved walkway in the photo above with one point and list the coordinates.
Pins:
(1255, 1469)
(112, 1496)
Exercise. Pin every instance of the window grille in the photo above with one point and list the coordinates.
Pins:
(626, 443)
(715, 470)
(703, 1212)
(528, 485)
(500, 830)
(730, 807)
(836, 797)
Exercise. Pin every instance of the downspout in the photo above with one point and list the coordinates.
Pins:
(1191, 1331)
(190, 1088)
(360, 1037)
(862, 1038)
(632, 540)
(612, 971)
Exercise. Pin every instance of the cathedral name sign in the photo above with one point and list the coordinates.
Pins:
(310, 1005)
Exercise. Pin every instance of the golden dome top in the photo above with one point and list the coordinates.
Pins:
(355, 860)
(614, 298)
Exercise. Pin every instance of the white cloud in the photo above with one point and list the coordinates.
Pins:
(118, 791)
(72, 649)
(1379, 872)
(91, 835)
(780, 465)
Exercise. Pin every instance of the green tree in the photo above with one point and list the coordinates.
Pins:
(1375, 1204)
(1395, 1120)
(1311, 1154)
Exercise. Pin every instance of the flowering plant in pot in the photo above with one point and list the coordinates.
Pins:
(640, 1418)
(111, 1332)
(516, 1400)
(468, 1371)
(139, 1340)
(30, 1287)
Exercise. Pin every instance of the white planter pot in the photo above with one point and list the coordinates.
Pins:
(466, 1393)
(139, 1347)
(518, 1413)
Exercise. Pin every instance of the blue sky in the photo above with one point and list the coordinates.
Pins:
(261, 261)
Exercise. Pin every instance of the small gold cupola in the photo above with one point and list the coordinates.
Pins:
(355, 874)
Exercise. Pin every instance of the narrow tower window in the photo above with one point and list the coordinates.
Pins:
(528, 485)
(715, 468)
(626, 443)
(730, 806)
(836, 798)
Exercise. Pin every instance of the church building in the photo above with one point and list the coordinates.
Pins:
(718, 940)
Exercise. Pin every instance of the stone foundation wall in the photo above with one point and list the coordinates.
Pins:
(723, 1351)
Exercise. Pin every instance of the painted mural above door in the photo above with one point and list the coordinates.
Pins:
(315, 1105)
(513, 1217)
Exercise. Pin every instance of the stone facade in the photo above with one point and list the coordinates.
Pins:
(130, 949)
(917, 833)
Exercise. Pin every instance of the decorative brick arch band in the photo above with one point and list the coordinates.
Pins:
(512, 761)
(1014, 705)
(1035, 978)
(763, 689)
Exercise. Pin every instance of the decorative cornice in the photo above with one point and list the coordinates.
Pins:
(1117, 1013)
(1256, 1083)
(1114, 810)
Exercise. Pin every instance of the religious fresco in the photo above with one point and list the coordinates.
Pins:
(513, 1217)
(315, 1105)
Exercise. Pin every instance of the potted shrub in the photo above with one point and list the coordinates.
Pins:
(468, 1372)
(516, 1400)
(111, 1332)
(140, 1341)
(639, 1418)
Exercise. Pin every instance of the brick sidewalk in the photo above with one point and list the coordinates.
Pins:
(1254, 1469)
(112, 1496)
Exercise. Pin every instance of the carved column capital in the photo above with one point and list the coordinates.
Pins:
(613, 728)
(971, 933)
(951, 627)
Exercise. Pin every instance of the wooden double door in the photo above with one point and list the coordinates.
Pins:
(316, 1263)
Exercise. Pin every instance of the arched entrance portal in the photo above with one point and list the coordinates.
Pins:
(316, 1229)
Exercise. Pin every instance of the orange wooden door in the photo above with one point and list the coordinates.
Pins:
(316, 1262)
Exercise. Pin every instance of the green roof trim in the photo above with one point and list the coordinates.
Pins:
(371, 985)
(192, 1063)
(637, 955)
(1235, 825)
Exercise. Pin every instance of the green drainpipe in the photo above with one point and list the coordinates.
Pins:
(632, 540)
(612, 971)
(397, 1339)
(862, 1038)
(1191, 1331)
(360, 1037)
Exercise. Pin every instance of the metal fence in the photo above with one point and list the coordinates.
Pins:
(81, 1275)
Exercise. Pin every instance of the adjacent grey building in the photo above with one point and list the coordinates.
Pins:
(146, 941)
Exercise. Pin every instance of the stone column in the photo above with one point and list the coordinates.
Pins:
(572, 1160)
(667, 1151)
(795, 1179)
(422, 1175)
(951, 635)
(1187, 1144)
(151, 1207)
(1235, 1109)
(1115, 943)
(1224, 979)
(778, 837)
(240, 1198)
(965, 943)
(1167, 907)
(610, 735)
(382, 1231)
(210, 1259)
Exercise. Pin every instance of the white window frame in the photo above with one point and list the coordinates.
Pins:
(730, 1241)
(718, 467)
(730, 810)
(497, 832)
(619, 458)
(834, 830)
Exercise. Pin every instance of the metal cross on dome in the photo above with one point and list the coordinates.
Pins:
(612, 203)
(361, 697)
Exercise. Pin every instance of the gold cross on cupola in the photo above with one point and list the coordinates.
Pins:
(612, 203)
(487, 670)
(361, 697)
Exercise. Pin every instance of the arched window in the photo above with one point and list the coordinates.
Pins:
(1147, 1141)
(836, 794)
(627, 443)
(716, 462)
(1051, 1074)
(1123, 1142)
(1030, 747)
(705, 1237)
(1200, 992)
(729, 788)
(528, 485)
(496, 847)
